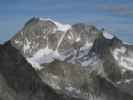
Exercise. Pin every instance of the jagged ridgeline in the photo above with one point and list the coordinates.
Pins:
(48, 60)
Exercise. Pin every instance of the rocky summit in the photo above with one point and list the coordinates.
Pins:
(48, 60)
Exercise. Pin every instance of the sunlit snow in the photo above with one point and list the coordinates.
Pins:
(44, 56)
(108, 35)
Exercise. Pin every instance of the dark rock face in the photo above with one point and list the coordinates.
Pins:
(117, 57)
(80, 83)
(19, 80)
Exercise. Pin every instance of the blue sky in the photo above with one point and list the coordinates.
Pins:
(115, 16)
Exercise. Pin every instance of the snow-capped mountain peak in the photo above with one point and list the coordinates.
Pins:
(66, 39)
(60, 26)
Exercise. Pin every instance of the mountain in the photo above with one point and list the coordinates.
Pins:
(44, 37)
(78, 61)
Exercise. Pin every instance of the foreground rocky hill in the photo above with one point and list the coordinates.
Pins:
(19, 81)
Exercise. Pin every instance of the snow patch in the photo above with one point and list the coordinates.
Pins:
(122, 59)
(126, 81)
(90, 61)
(72, 89)
(55, 86)
(87, 45)
(78, 39)
(34, 64)
(60, 40)
(123, 71)
(71, 35)
(60, 26)
(26, 45)
(44, 56)
(16, 41)
(108, 35)
(119, 51)
(22, 33)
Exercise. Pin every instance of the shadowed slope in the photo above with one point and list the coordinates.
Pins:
(21, 79)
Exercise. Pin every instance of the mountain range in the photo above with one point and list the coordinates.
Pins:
(48, 60)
